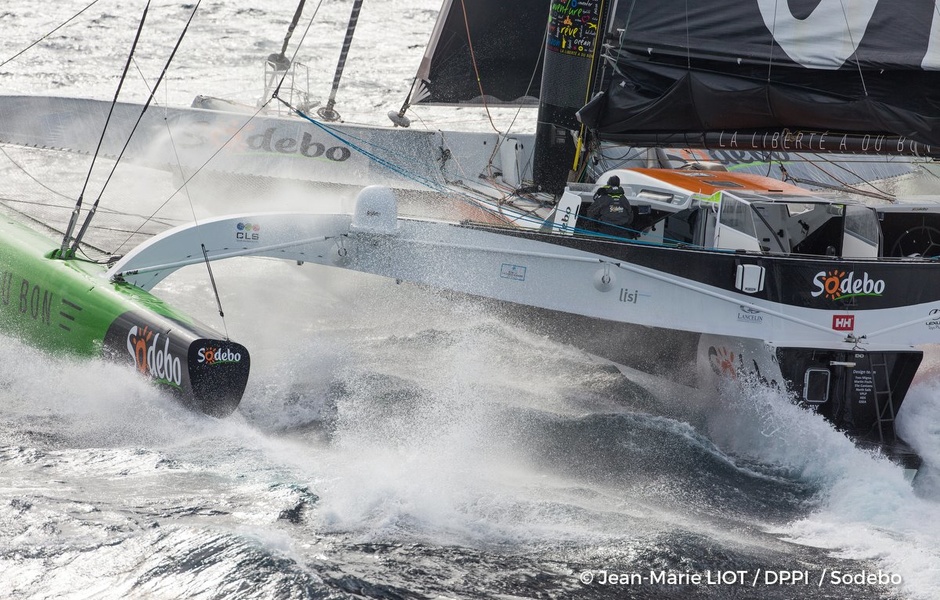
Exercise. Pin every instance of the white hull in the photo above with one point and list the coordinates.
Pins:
(267, 147)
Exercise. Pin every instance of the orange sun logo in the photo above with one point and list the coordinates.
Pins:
(722, 362)
(832, 284)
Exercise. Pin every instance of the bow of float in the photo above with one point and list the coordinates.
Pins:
(70, 306)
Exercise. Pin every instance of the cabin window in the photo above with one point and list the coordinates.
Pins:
(794, 209)
(770, 222)
(737, 215)
(862, 222)
(816, 385)
(657, 196)
(861, 233)
(725, 184)
(683, 226)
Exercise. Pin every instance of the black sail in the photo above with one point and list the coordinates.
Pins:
(500, 42)
(684, 69)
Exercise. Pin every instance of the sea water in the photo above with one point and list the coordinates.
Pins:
(398, 443)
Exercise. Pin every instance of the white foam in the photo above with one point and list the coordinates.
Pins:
(866, 510)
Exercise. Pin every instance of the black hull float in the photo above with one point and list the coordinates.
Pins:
(205, 374)
(858, 391)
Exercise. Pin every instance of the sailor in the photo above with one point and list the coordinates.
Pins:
(610, 212)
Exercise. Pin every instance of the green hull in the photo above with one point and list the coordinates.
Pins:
(69, 306)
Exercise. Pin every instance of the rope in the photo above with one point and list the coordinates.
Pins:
(190, 178)
(78, 203)
(858, 64)
(476, 70)
(840, 165)
(576, 165)
(487, 206)
(94, 208)
(773, 35)
(30, 175)
(58, 27)
(215, 290)
(502, 138)
(385, 163)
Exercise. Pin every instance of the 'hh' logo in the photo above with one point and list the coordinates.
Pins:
(843, 322)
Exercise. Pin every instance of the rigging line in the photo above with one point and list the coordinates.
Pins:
(535, 70)
(47, 204)
(528, 88)
(297, 49)
(858, 63)
(383, 162)
(179, 165)
(602, 28)
(446, 156)
(626, 25)
(839, 165)
(688, 39)
(143, 78)
(30, 175)
(841, 188)
(215, 290)
(502, 138)
(929, 172)
(433, 185)
(773, 36)
(78, 204)
(44, 204)
(195, 173)
(41, 222)
(166, 67)
(476, 69)
(58, 27)
(150, 218)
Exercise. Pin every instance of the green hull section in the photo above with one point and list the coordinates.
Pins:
(59, 305)
(69, 306)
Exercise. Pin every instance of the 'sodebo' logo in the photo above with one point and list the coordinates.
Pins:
(838, 285)
(160, 364)
(217, 356)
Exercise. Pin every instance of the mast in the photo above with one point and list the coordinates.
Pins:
(573, 48)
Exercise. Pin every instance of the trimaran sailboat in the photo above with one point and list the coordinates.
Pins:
(824, 296)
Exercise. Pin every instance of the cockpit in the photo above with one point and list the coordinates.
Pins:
(733, 212)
